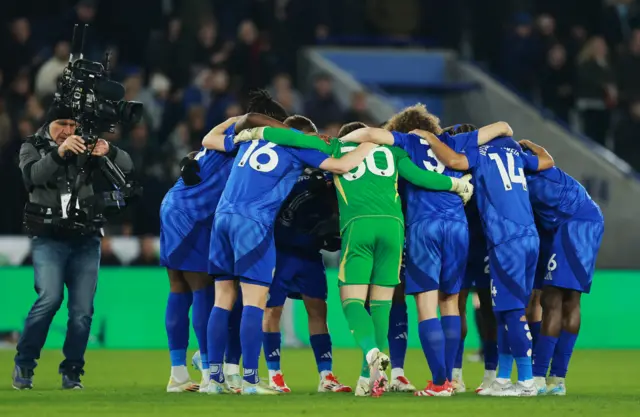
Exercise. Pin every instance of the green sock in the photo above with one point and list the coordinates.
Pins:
(360, 323)
(365, 372)
(380, 311)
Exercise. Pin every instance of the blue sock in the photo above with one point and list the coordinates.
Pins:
(519, 342)
(177, 324)
(451, 327)
(544, 351)
(272, 342)
(398, 334)
(202, 305)
(251, 341)
(321, 345)
(217, 331)
(534, 328)
(562, 354)
(505, 358)
(432, 341)
(234, 350)
(457, 363)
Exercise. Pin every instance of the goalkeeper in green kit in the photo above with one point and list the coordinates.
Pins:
(372, 230)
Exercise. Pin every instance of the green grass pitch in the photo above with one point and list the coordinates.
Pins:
(132, 383)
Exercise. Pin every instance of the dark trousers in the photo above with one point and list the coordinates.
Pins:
(57, 263)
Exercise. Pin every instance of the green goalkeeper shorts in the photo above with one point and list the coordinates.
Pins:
(371, 252)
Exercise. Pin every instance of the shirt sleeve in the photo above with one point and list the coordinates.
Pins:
(461, 141)
(229, 145)
(421, 177)
(310, 157)
(229, 134)
(472, 153)
(531, 162)
(400, 139)
(288, 137)
(231, 130)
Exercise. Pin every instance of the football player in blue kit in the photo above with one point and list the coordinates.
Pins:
(576, 225)
(186, 220)
(186, 216)
(476, 277)
(307, 222)
(242, 245)
(512, 242)
(436, 239)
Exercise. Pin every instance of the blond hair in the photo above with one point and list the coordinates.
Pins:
(414, 117)
(588, 51)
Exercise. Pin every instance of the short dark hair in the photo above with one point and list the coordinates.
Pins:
(350, 127)
(461, 128)
(260, 101)
(301, 123)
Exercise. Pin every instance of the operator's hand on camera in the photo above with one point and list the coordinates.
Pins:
(101, 148)
(74, 144)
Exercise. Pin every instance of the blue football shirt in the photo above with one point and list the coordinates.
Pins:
(262, 177)
(200, 200)
(422, 203)
(501, 189)
(555, 196)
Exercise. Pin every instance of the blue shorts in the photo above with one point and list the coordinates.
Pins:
(242, 248)
(477, 272)
(512, 266)
(574, 251)
(436, 255)
(184, 241)
(546, 240)
(297, 276)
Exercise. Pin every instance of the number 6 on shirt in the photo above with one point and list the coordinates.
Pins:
(252, 156)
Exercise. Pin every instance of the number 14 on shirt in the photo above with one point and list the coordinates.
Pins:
(511, 177)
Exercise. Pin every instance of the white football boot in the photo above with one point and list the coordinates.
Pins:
(330, 383)
(487, 380)
(258, 389)
(363, 387)
(556, 386)
(180, 381)
(500, 388)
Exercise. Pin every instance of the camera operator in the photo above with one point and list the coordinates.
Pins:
(71, 257)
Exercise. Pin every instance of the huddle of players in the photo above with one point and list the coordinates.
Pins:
(437, 246)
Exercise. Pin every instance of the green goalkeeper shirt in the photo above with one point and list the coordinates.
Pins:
(370, 189)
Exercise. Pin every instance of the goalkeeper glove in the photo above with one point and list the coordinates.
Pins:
(189, 169)
(462, 187)
(249, 134)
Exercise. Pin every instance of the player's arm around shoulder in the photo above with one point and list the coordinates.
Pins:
(492, 131)
(349, 160)
(432, 180)
(251, 120)
(370, 134)
(215, 139)
(287, 137)
(545, 160)
(445, 154)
